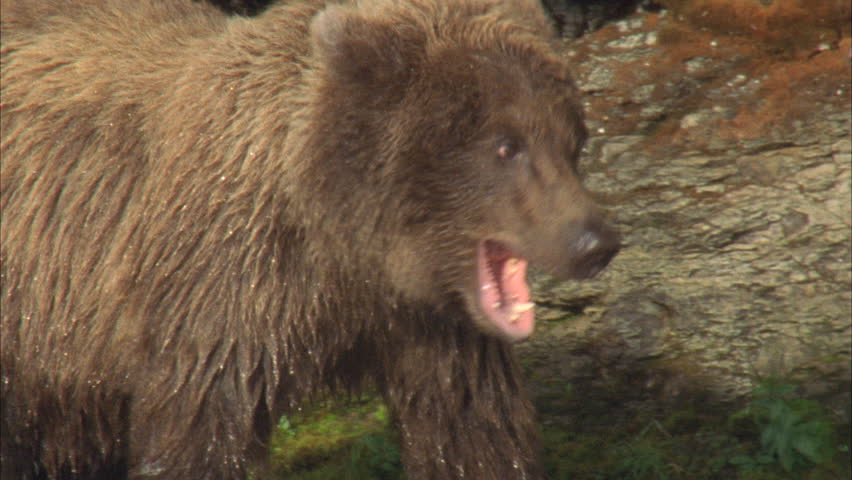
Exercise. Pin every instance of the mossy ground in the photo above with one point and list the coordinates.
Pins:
(598, 435)
(341, 440)
(695, 438)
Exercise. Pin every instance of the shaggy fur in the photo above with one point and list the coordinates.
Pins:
(208, 220)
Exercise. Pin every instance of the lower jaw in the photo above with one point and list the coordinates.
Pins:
(511, 330)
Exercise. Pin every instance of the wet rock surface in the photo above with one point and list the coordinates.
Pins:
(727, 169)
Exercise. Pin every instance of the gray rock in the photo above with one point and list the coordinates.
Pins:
(737, 262)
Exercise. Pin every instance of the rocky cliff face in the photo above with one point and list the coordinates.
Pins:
(725, 159)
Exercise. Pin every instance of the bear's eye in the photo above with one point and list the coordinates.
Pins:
(507, 149)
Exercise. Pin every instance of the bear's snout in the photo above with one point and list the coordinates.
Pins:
(594, 245)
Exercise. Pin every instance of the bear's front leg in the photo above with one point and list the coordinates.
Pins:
(461, 406)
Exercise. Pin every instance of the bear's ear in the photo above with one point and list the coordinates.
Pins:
(360, 49)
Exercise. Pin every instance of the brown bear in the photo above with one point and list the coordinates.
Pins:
(208, 220)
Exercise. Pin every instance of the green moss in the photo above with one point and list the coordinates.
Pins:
(336, 440)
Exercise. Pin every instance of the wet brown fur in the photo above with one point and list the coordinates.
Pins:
(208, 220)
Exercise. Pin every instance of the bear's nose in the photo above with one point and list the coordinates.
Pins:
(595, 247)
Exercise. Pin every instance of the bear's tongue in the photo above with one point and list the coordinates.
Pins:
(504, 295)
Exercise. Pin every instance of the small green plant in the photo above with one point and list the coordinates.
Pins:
(382, 415)
(285, 427)
(794, 432)
(643, 459)
(645, 456)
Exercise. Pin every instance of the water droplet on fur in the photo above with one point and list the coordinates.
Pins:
(151, 469)
(517, 466)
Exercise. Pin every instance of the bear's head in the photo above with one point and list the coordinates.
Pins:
(444, 140)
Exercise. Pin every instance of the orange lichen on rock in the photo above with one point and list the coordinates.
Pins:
(784, 24)
(692, 84)
(789, 89)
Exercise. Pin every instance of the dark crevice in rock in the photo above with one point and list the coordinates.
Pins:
(574, 18)
(768, 147)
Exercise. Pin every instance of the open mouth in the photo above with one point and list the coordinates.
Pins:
(504, 295)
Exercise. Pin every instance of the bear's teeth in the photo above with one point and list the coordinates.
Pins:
(512, 266)
(519, 308)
